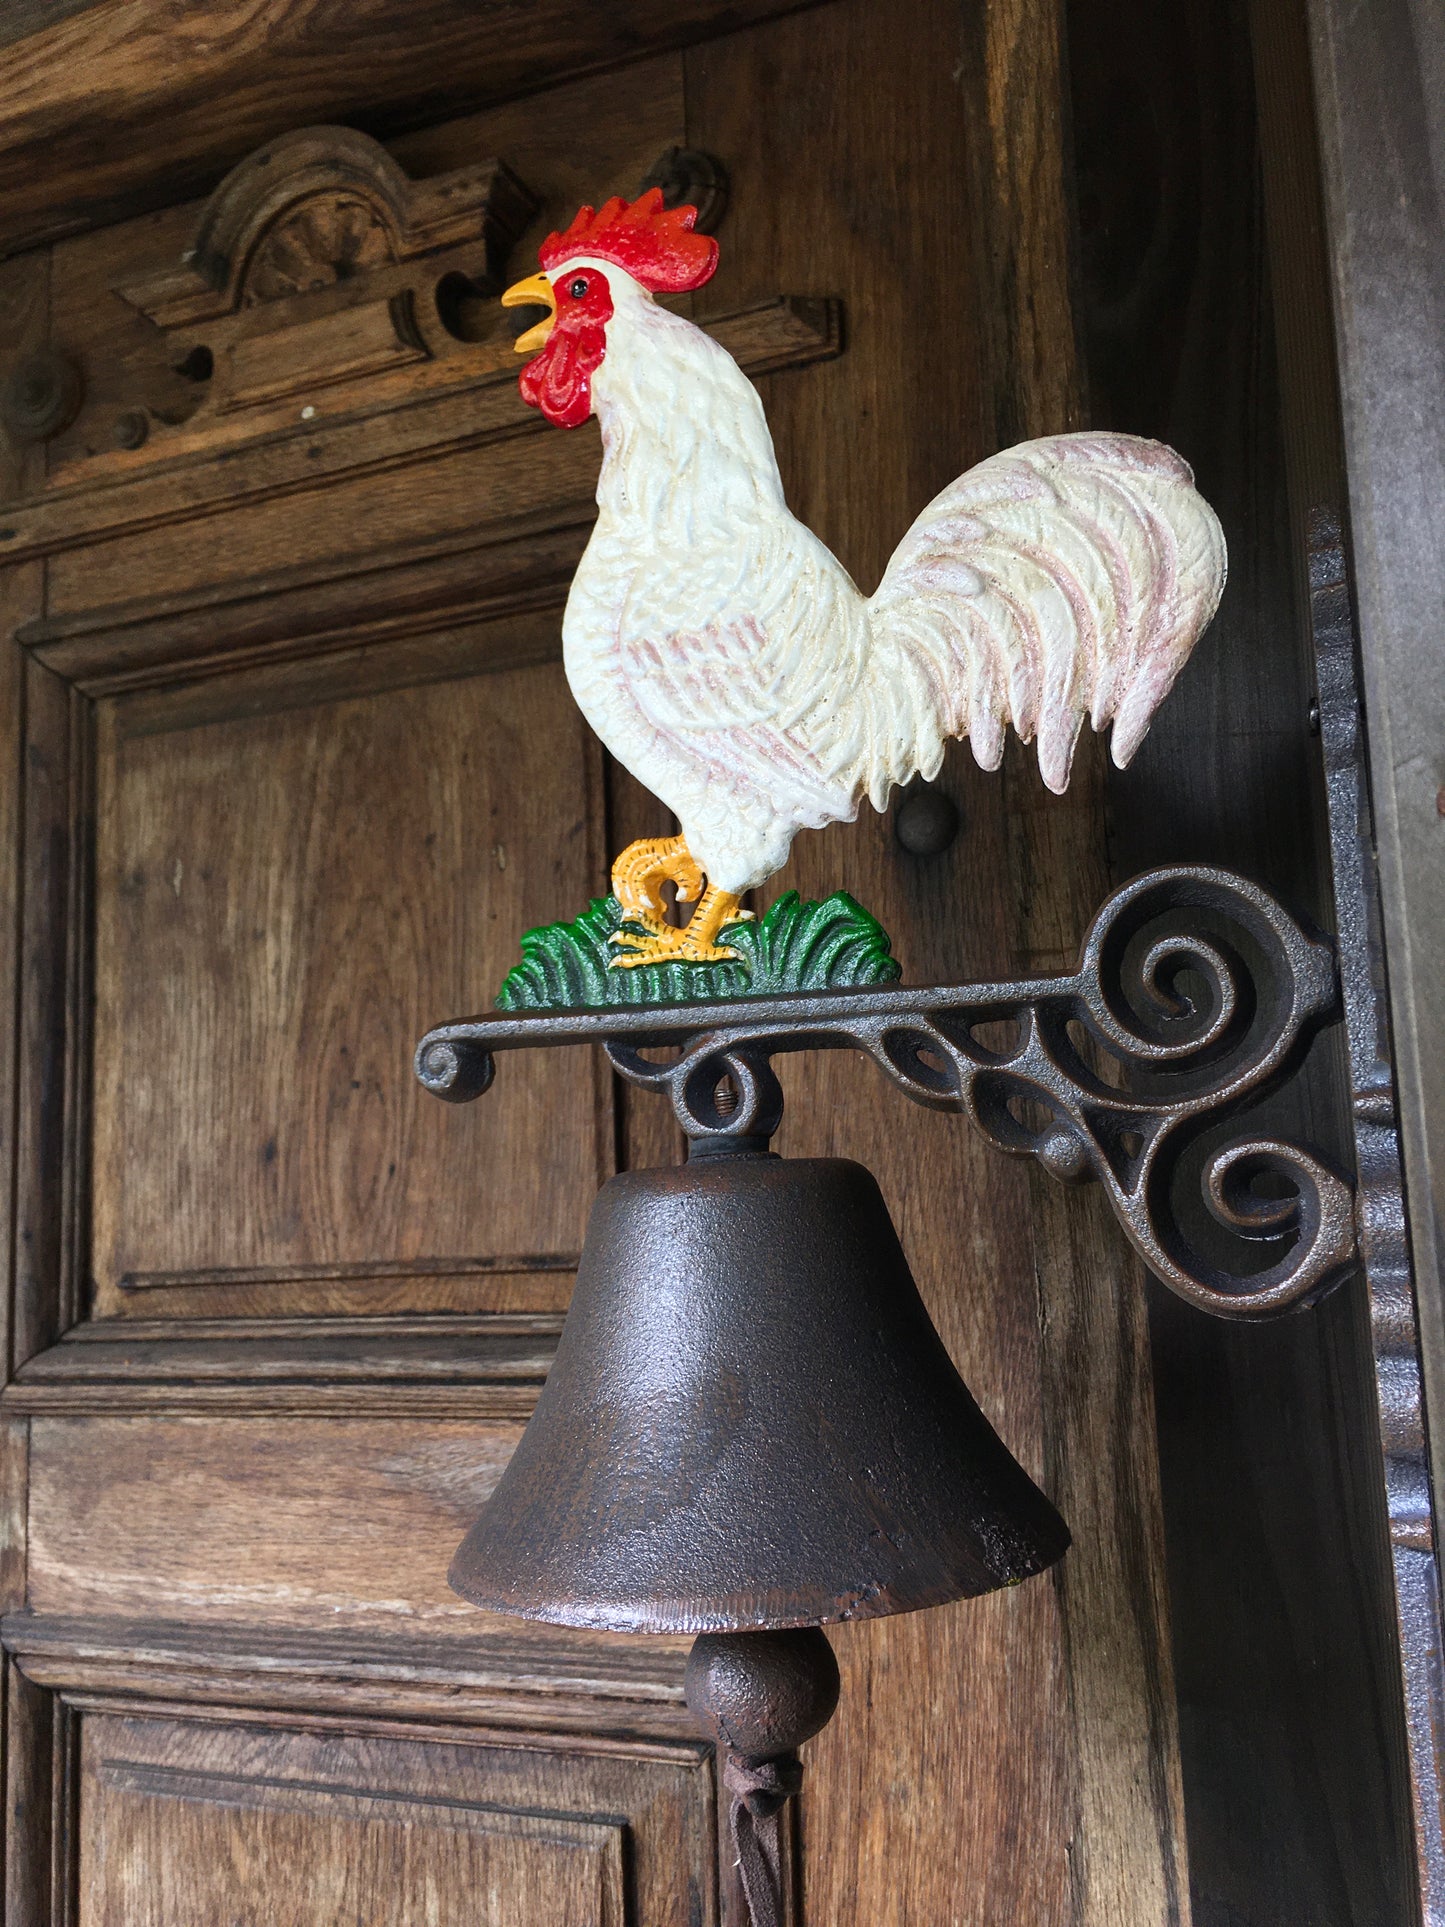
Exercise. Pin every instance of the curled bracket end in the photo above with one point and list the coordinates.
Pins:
(454, 1068)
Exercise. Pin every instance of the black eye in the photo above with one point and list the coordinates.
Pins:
(578, 287)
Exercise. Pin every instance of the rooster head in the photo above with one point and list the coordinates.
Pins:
(654, 246)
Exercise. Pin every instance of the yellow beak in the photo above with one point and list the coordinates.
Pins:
(534, 292)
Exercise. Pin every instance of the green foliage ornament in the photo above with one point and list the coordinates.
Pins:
(793, 946)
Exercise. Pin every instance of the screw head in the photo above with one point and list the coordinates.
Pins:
(926, 822)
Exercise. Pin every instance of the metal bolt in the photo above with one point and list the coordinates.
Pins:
(926, 822)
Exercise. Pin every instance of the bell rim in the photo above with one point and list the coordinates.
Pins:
(678, 1618)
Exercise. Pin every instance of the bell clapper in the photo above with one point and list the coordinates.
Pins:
(760, 1695)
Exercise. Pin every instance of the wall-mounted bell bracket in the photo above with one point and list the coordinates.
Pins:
(1196, 994)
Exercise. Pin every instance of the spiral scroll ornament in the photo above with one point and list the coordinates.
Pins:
(1196, 995)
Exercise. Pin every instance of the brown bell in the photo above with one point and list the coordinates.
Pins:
(750, 1423)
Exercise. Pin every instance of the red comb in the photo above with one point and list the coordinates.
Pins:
(656, 245)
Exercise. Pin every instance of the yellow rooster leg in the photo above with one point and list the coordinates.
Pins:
(640, 869)
(665, 943)
(717, 909)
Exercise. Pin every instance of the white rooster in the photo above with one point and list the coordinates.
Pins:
(726, 657)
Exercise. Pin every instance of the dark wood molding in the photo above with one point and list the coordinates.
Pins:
(614, 1694)
(481, 408)
(363, 1272)
(113, 110)
(271, 227)
(441, 1366)
(495, 569)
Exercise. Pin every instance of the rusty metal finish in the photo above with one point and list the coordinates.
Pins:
(1384, 1245)
(759, 1696)
(750, 1423)
(1196, 993)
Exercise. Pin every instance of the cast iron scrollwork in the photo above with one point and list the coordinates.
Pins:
(1196, 994)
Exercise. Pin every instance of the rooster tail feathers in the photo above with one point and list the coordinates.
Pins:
(1064, 579)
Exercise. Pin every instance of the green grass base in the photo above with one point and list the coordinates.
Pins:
(792, 946)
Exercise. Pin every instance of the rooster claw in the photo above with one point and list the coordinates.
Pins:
(642, 941)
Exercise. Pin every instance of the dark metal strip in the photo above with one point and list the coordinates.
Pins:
(1381, 1220)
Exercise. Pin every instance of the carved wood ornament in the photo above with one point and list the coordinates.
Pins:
(304, 270)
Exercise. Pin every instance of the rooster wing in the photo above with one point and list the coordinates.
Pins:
(734, 685)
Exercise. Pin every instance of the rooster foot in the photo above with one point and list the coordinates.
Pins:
(665, 943)
(643, 865)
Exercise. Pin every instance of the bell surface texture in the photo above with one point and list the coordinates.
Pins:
(750, 1423)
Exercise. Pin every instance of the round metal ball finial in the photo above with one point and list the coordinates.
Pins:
(760, 1695)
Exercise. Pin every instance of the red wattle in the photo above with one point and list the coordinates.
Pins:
(559, 380)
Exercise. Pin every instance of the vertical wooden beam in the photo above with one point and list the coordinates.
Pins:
(1128, 1861)
(41, 1184)
(1011, 1758)
(1285, 1671)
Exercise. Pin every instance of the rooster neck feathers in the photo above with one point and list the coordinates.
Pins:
(685, 441)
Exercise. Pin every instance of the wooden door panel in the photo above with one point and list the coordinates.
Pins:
(191, 1823)
(282, 1316)
(321, 1523)
(173, 1849)
(283, 903)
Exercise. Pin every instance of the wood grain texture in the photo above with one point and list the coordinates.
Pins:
(1279, 1589)
(44, 1147)
(24, 326)
(213, 1820)
(21, 592)
(117, 108)
(21, 17)
(1129, 1857)
(164, 1843)
(432, 1366)
(1012, 1757)
(531, 1682)
(284, 904)
(318, 1523)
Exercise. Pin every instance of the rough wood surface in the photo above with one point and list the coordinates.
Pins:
(435, 1366)
(321, 1522)
(358, 1825)
(1037, 1721)
(284, 904)
(46, 1025)
(532, 1682)
(21, 592)
(119, 107)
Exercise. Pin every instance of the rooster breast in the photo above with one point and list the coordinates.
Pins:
(712, 641)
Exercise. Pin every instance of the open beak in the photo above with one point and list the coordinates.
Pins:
(534, 292)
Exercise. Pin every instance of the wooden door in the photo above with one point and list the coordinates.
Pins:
(292, 764)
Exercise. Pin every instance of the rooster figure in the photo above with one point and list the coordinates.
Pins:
(726, 658)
